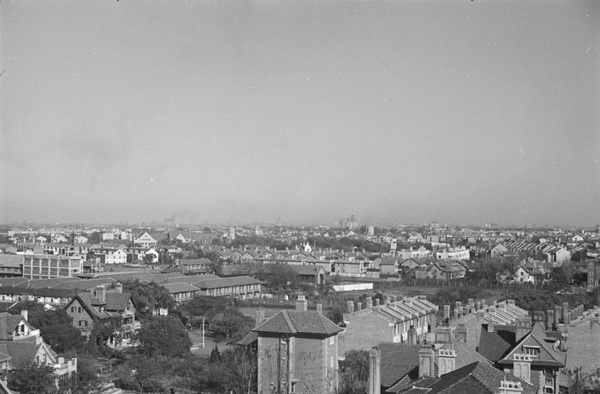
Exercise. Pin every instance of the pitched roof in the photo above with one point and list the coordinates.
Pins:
(179, 287)
(22, 352)
(292, 322)
(475, 378)
(494, 345)
(397, 361)
(548, 356)
(8, 324)
(227, 282)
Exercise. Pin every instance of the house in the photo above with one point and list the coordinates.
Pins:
(297, 352)
(21, 344)
(498, 251)
(408, 320)
(389, 266)
(447, 270)
(118, 256)
(237, 286)
(181, 291)
(145, 239)
(11, 265)
(89, 308)
(309, 274)
(194, 265)
(525, 351)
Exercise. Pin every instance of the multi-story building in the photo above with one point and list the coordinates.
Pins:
(90, 308)
(238, 287)
(47, 266)
(297, 352)
(404, 321)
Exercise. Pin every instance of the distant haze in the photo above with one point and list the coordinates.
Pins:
(309, 111)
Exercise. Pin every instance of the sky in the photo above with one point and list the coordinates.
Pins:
(301, 111)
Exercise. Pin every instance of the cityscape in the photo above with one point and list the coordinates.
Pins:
(264, 197)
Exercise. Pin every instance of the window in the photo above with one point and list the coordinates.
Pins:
(531, 350)
(73, 309)
(80, 309)
(332, 340)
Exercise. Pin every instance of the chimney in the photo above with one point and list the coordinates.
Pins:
(25, 314)
(461, 332)
(369, 302)
(119, 287)
(101, 293)
(446, 361)
(259, 315)
(301, 304)
(511, 302)
(412, 335)
(565, 311)
(350, 306)
(426, 362)
(446, 313)
(550, 319)
(522, 366)
(557, 314)
(320, 308)
(358, 306)
(375, 371)
(509, 387)
(523, 328)
(490, 324)
(376, 301)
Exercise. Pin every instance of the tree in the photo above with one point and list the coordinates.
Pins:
(56, 327)
(242, 362)
(354, 373)
(32, 379)
(279, 277)
(148, 297)
(164, 335)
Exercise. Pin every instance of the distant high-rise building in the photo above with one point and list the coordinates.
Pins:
(232, 233)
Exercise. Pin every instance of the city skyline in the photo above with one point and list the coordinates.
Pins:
(402, 112)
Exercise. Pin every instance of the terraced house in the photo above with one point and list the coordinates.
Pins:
(399, 321)
(238, 287)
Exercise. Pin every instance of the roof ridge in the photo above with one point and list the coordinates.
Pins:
(288, 321)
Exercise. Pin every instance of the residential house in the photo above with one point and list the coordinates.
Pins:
(297, 352)
(181, 291)
(309, 274)
(146, 240)
(242, 287)
(408, 320)
(89, 308)
(21, 344)
(389, 266)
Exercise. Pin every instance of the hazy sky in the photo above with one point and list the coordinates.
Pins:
(395, 111)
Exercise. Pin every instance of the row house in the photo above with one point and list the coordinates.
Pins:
(242, 287)
(47, 296)
(454, 254)
(408, 320)
(181, 291)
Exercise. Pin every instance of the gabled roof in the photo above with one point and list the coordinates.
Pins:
(22, 352)
(292, 323)
(548, 356)
(8, 324)
(494, 345)
(397, 361)
(227, 282)
(475, 378)
(180, 287)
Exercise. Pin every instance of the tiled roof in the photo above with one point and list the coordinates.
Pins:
(548, 355)
(227, 282)
(292, 322)
(179, 287)
(306, 269)
(475, 378)
(8, 323)
(397, 361)
(494, 345)
(22, 352)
